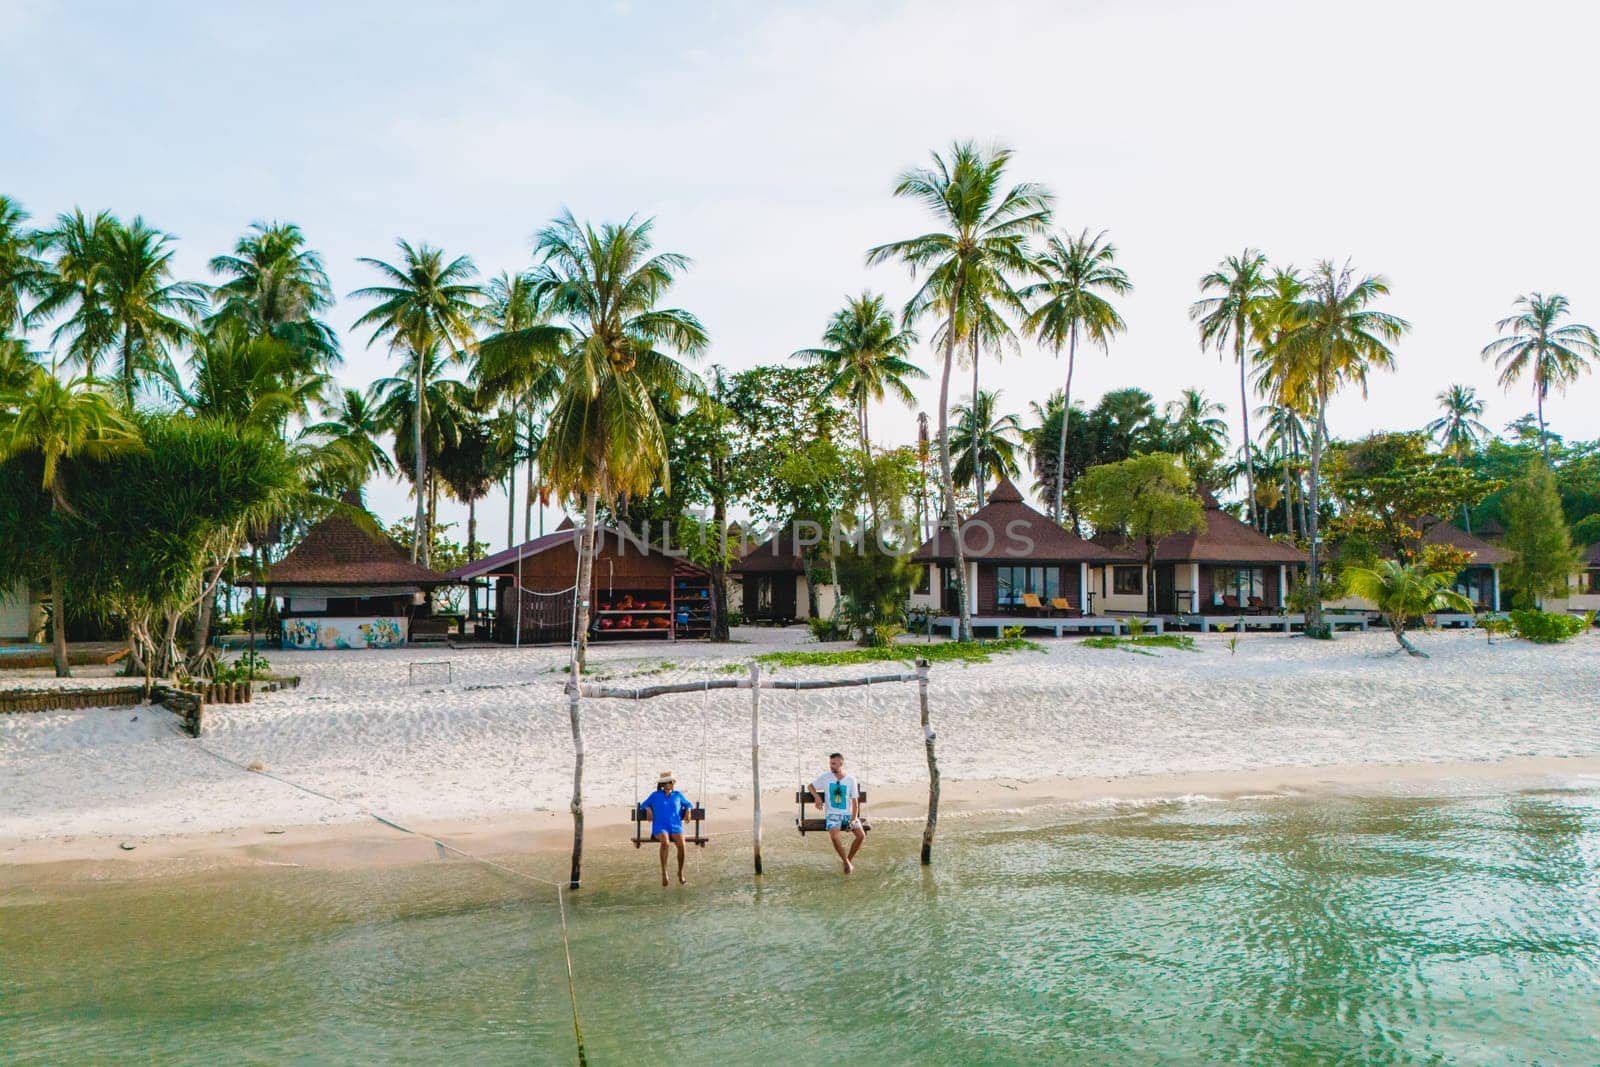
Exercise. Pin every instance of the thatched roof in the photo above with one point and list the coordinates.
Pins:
(339, 552)
(1008, 530)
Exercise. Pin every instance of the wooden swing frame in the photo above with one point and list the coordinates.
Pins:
(696, 817)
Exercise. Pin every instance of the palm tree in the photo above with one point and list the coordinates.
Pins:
(1403, 591)
(1533, 343)
(61, 422)
(24, 274)
(1242, 287)
(982, 243)
(1286, 432)
(1325, 339)
(276, 286)
(1458, 431)
(604, 437)
(426, 302)
(516, 364)
(1195, 432)
(247, 381)
(149, 312)
(351, 429)
(1076, 271)
(985, 440)
(78, 243)
(442, 415)
(866, 360)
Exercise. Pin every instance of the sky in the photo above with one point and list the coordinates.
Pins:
(1444, 145)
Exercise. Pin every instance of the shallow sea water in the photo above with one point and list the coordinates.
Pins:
(1291, 930)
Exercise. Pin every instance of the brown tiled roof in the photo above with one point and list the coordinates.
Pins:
(1224, 539)
(338, 552)
(1483, 552)
(1007, 529)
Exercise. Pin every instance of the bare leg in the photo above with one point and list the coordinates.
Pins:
(855, 846)
(678, 840)
(664, 845)
(838, 846)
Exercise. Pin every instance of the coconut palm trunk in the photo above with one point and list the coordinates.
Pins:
(58, 624)
(419, 529)
(947, 481)
(1288, 496)
(1251, 515)
(1538, 407)
(574, 699)
(978, 479)
(1061, 442)
(585, 582)
(511, 485)
(1314, 501)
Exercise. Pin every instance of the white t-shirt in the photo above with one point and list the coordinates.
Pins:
(836, 793)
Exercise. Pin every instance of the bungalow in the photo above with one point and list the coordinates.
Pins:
(349, 586)
(1013, 550)
(1479, 581)
(775, 580)
(1227, 568)
(1583, 588)
(637, 590)
(21, 614)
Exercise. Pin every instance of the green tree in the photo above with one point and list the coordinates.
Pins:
(24, 274)
(350, 436)
(1143, 499)
(276, 287)
(985, 439)
(150, 313)
(445, 408)
(1196, 432)
(1393, 486)
(982, 243)
(604, 438)
(1403, 591)
(1537, 537)
(1078, 271)
(61, 422)
(425, 303)
(1243, 288)
(1535, 342)
(1325, 336)
(1457, 431)
(866, 360)
(77, 288)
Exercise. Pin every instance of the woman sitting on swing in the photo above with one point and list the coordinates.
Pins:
(667, 807)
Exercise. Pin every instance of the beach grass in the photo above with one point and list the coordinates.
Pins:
(1142, 643)
(939, 652)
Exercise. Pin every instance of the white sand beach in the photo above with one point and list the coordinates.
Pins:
(1069, 725)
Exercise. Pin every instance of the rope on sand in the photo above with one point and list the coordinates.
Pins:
(561, 903)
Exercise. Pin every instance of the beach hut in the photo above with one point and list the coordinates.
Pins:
(349, 585)
(1584, 585)
(1015, 555)
(1227, 568)
(1479, 582)
(640, 592)
(775, 580)
(21, 613)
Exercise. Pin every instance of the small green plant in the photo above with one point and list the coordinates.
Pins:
(1545, 627)
(248, 667)
(939, 651)
(883, 634)
(828, 630)
(1141, 644)
(1011, 633)
(1233, 645)
(1493, 625)
(1588, 619)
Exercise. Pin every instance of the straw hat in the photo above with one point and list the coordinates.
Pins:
(665, 778)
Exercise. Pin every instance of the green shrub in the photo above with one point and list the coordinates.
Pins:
(1011, 633)
(828, 629)
(248, 667)
(1545, 627)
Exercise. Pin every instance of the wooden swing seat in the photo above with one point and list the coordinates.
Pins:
(809, 824)
(696, 816)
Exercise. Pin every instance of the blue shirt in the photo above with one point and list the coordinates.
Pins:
(666, 811)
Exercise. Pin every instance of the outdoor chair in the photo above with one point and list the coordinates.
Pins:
(1064, 606)
(1258, 605)
(1032, 603)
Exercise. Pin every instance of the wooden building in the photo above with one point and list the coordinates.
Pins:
(639, 592)
(775, 580)
(1479, 582)
(349, 585)
(1013, 550)
(1227, 568)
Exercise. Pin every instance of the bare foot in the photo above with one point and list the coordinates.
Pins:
(849, 868)
(682, 880)
(664, 882)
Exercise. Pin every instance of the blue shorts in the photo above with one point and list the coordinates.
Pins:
(668, 830)
(837, 820)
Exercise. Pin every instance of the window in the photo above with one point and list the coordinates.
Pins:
(1591, 582)
(1127, 581)
(924, 580)
(1234, 587)
(1011, 582)
(1477, 585)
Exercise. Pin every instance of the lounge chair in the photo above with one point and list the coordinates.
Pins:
(1258, 606)
(1064, 606)
(1032, 603)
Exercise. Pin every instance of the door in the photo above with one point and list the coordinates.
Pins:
(783, 597)
(1166, 589)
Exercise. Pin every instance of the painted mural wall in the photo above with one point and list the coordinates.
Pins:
(344, 633)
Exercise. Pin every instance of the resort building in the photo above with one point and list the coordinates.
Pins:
(774, 580)
(638, 590)
(349, 585)
(1583, 588)
(1227, 568)
(21, 614)
(1015, 552)
(1479, 582)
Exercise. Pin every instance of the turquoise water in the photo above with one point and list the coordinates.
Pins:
(1296, 930)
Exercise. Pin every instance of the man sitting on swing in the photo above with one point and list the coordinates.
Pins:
(840, 798)
(667, 807)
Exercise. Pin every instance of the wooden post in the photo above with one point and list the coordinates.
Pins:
(573, 697)
(755, 757)
(928, 738)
